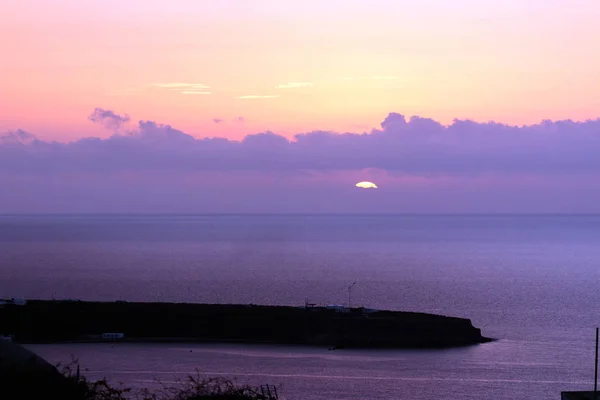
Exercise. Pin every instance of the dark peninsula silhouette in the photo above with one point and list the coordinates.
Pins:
(40, 321)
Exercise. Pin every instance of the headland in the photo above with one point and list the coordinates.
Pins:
(52, 321)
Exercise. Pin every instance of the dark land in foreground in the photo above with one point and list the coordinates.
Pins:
(25, 375)
(45, 321)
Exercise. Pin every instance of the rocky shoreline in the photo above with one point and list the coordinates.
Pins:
(49, 321)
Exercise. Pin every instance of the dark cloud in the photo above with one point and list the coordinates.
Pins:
(218, 120)
(416, 146)
(108, 118)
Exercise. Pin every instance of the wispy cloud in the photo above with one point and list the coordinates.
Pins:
(195, 92)
(254, 96)
(185, 88)
(181, 86)
(291, 85)
(238, 120)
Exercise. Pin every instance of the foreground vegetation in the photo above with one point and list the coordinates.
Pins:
(192, 388)
(71, 385)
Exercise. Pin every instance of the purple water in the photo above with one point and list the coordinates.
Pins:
(530, 281)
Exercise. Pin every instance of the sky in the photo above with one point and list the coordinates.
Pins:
(281, 106)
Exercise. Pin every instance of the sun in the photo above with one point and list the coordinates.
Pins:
(366, 185)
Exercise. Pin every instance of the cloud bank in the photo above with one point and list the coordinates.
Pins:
(408, 146)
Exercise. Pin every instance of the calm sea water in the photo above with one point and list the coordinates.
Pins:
(530, 281)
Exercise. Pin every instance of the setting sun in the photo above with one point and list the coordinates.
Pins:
(366, 185)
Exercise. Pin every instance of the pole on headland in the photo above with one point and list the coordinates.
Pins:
(596, 370)
(350, 295)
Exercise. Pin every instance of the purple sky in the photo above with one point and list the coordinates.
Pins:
(420, 165)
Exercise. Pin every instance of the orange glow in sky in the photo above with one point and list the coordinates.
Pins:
(234, 67)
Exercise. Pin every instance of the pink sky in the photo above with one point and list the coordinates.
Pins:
(151, 78)
(338, 65)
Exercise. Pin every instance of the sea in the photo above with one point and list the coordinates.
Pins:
(529, 281)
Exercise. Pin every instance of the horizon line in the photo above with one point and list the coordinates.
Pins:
(258, 214)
